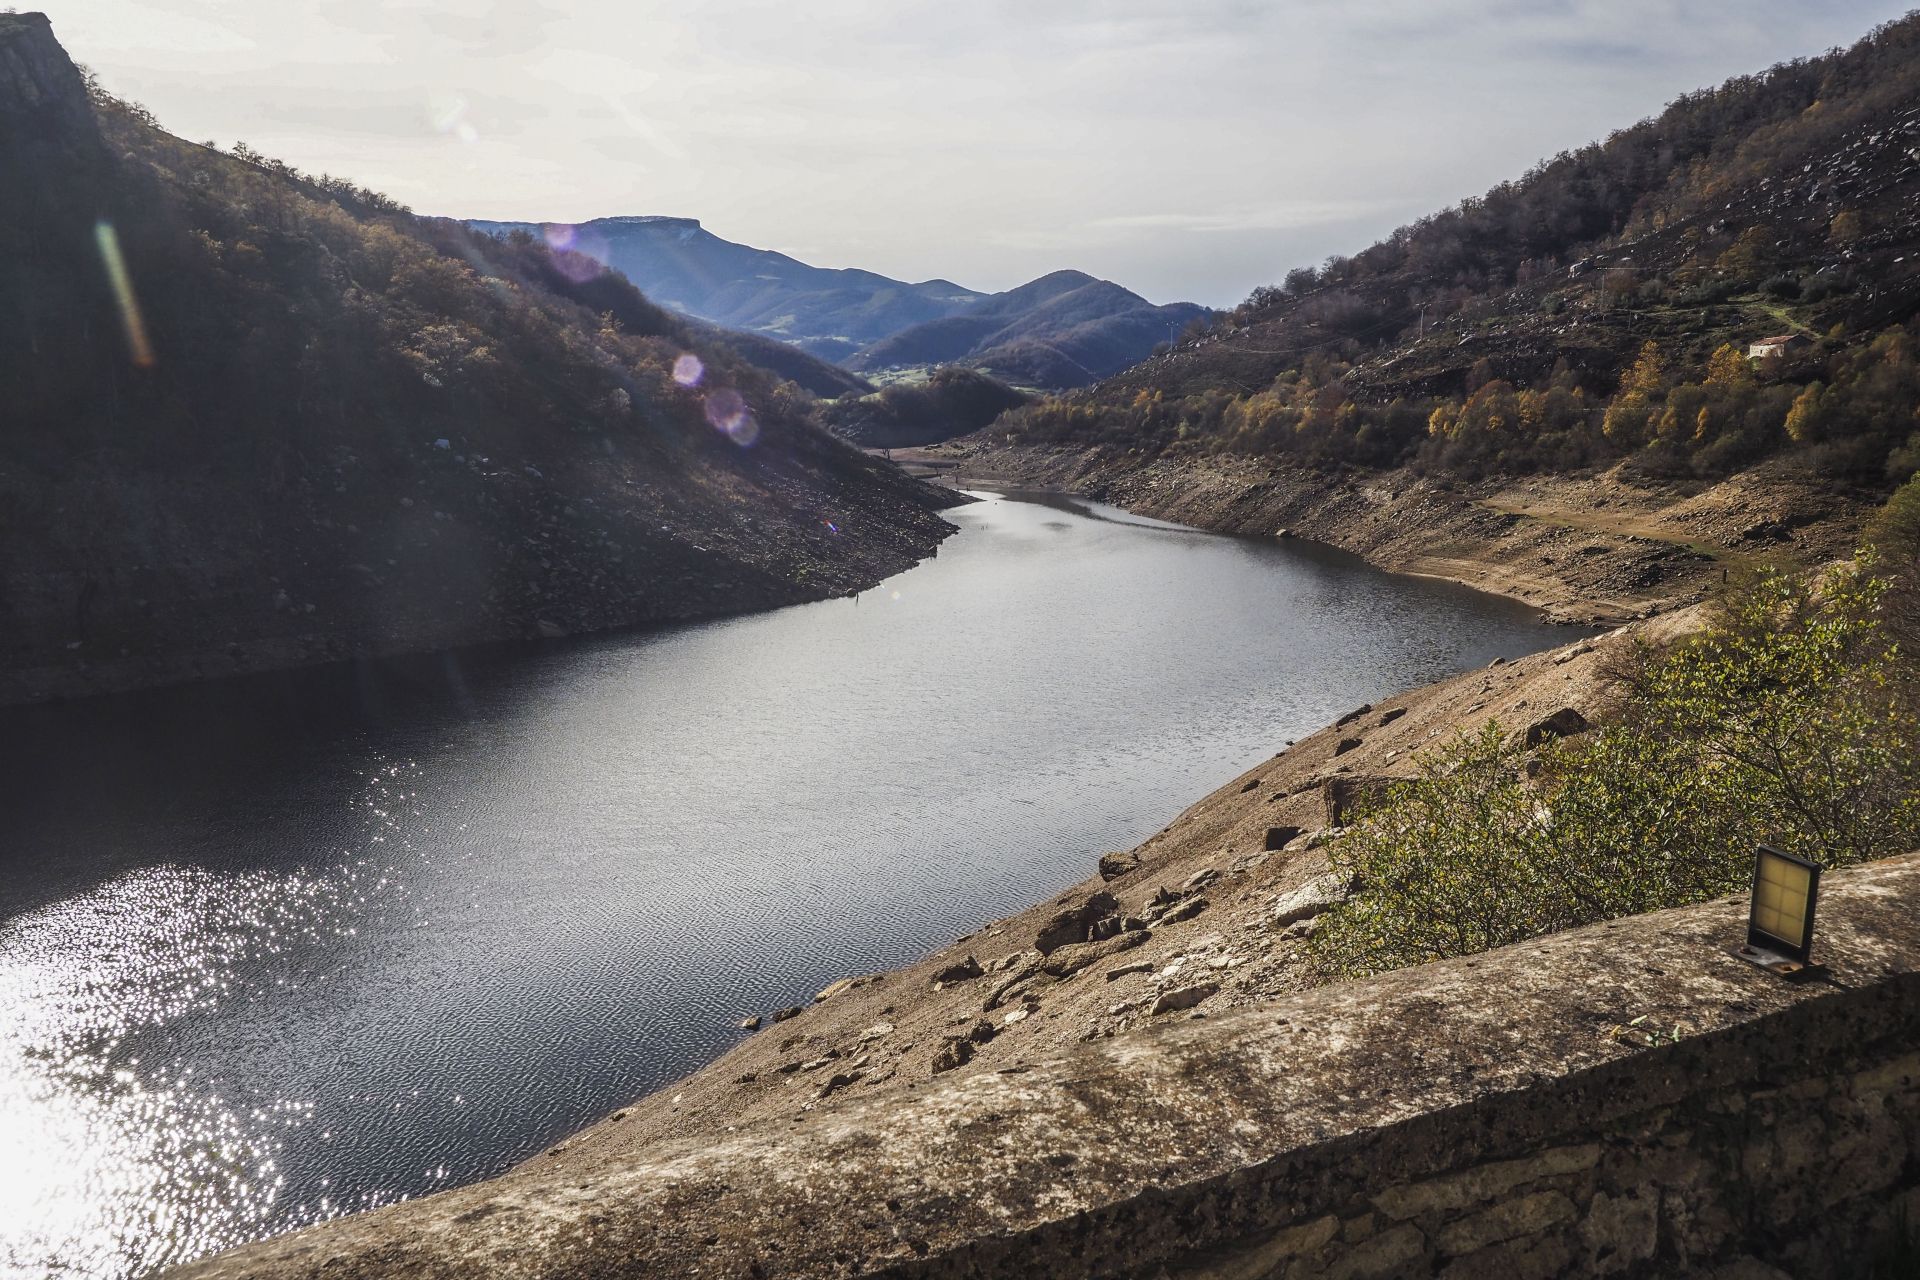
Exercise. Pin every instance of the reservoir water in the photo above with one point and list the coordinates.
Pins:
(279, 948)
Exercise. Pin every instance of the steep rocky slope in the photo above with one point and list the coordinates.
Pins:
(1597, 308)
(257, 419)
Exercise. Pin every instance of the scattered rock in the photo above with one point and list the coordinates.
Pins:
(837, 1082)
(781, 1015)
(841, 987)
(1199, 879)
(750, 1024)
(1353, 715)
(1017, 1015)
(1138, 966)
(1075, 959)
(1115, 865)
(1388, 717)
(1175, 912)
(1250, 786)
(1074, 923)
(1498, 662)
(1345, 796)
(1310, 899)
(1281, 837)
(982, 1031)
(954, 1052)
(1182, 998)
(1345, 745)
(960, 971)
(1564, 723)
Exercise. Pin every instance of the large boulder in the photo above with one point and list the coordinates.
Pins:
(1564, 723)
(1075, 924)
(1344, 795)
(1182, 998)
(1311, 899)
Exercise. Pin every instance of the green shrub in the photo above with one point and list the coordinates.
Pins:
(1788, 721)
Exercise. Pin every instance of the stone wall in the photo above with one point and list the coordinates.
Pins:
(1624, 1100)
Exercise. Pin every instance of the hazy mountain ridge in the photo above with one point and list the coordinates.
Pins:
(1062, 330)
(828, 312)
(321, 427)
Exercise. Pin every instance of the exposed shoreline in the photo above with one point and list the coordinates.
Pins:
(1598, 550)
(793, 577)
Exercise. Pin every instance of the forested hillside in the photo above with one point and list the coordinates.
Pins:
(255, 418)
(1599, 308)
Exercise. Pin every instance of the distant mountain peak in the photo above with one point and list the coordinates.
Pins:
(1065, 328)
(646, 220)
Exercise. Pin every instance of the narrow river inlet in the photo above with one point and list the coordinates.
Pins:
(276, 949)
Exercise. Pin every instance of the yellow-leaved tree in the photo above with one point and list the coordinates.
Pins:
(1629, 415)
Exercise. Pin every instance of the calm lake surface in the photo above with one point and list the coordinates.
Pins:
(279, 948)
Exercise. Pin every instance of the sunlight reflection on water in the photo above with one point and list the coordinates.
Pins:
(109, 1165)
(275, 950)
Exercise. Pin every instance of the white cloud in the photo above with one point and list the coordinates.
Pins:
(1190, 149)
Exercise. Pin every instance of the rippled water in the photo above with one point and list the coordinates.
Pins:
(278, 948)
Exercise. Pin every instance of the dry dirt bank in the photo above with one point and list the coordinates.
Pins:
(1588, 549)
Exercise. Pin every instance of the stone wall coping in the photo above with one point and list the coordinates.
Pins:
(1132, 1155)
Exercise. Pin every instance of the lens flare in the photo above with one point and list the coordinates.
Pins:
(580, 257)
(138, 348)
(450, 117)
(727, 412)
(687, 370)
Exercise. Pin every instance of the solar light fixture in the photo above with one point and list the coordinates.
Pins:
(1780, 920)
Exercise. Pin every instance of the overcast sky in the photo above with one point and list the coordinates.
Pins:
(1186, 148)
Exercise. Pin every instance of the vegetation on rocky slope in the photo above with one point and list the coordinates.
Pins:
(266, 418)
(953, 401)
(1599, 308)
(1791, 720)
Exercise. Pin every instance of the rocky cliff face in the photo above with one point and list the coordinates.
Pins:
(40, 89)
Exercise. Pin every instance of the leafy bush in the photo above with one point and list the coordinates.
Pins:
(1785, 285)
(1788, 721)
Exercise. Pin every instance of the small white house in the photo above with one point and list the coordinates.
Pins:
(1785, 345)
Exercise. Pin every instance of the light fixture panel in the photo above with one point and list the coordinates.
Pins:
(1785, 891)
